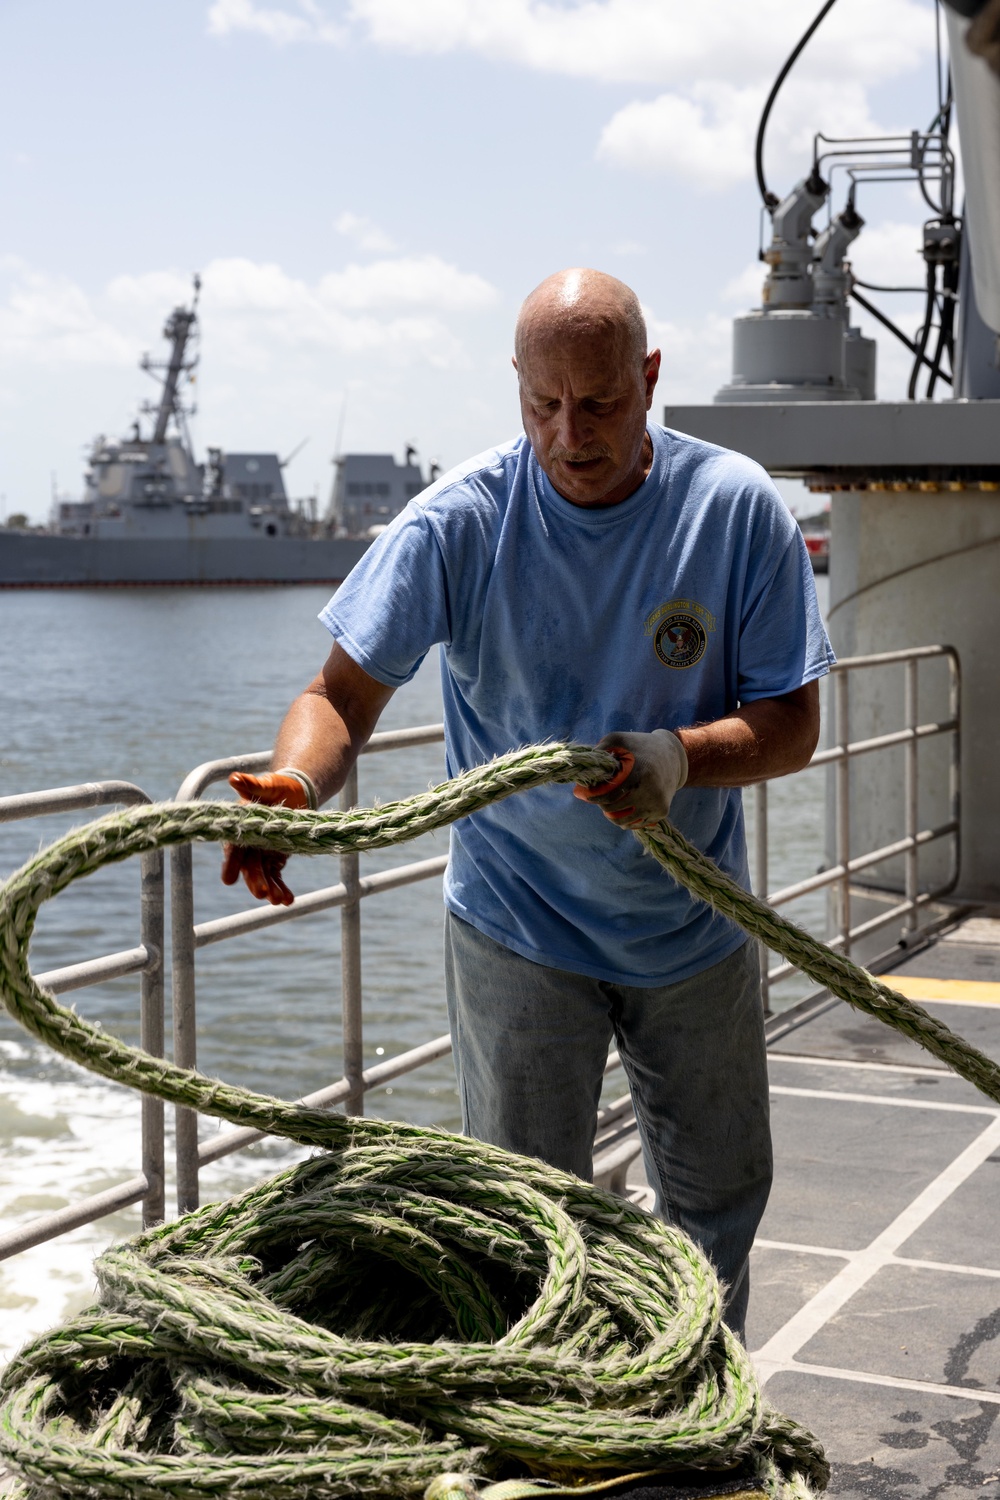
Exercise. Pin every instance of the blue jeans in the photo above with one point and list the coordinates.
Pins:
(531, 1043)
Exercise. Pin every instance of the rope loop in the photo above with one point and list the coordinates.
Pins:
(408, 1310)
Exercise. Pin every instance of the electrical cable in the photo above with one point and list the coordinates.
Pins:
(872, 286)
(925, 333)
(770, 199)
(935, 208)
(880, 317)
(946, 327)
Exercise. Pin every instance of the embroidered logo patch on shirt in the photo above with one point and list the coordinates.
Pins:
(680, 631)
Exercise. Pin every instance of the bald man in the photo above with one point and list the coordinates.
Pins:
(603, 579)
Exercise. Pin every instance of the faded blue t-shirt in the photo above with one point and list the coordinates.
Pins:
(690, 597)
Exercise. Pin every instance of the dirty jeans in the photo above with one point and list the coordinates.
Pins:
(531, 1043)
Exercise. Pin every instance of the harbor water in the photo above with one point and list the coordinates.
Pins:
(142, 685)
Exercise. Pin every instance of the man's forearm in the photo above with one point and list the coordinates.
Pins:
(315, 739)
(771, 737)
(329, 724)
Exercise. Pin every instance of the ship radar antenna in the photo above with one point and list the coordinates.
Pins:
(180, 329)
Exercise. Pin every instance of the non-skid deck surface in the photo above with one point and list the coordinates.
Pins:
(875, 1302)
(875, 1279)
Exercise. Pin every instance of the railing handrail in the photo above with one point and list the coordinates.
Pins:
(347, 894)
(888, 658)
(57, 799)
(146, 960)
(196, 781)
(839, 756)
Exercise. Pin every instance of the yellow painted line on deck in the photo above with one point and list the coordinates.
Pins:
(947, 991)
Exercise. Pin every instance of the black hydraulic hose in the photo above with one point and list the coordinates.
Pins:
(880, 317)
(770, 200)
(875, 286)
(946, 329)
(939, 350)
(925, 333)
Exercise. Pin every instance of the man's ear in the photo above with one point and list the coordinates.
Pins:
(513, 360)
(652, 375)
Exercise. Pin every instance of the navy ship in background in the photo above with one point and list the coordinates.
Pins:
(151, 514)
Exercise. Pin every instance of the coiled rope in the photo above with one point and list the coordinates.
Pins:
(410, 1307)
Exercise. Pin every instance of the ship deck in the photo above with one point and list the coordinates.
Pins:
(875, 1290)
(875, 1301)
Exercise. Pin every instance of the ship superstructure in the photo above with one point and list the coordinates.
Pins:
(151, 487)
(369, 489)
(152, 514)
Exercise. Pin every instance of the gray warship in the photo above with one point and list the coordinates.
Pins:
(151, 514)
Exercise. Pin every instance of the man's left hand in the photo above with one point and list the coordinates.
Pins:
(654, 768)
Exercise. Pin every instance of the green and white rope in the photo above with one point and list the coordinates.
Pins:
(408, 1308)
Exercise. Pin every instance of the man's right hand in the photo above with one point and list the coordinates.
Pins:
(261, 868)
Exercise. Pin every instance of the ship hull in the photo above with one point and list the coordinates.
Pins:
(33, 560)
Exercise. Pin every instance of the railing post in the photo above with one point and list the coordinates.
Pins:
(350, 963)
(183, 1006)
(760, 881)
(955, 765)
(844, 805)
(910, 794)
(151, 1030)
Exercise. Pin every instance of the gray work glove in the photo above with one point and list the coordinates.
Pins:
(654, 768)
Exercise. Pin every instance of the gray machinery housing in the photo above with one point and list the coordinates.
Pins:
(799, 345)
(914, 483)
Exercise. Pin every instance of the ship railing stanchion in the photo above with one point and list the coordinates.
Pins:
(350, 963)
(182, 990)
(911, 795)
(151, 997)
(147, 961)
(760, 882)
(841, 689)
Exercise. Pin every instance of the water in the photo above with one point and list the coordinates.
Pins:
(142, 685)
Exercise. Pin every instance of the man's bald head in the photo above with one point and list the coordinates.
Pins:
(586, 384)
(583, 305)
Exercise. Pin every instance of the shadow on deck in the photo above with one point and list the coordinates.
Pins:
(875, 1302)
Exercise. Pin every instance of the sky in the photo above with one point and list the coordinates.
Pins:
(369, 188)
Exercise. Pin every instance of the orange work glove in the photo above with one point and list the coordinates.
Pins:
(654, 767)
(261, 868)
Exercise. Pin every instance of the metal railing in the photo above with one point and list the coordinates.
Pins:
(841, 874)
(616, 1144)
(147, 961)
(187, 937)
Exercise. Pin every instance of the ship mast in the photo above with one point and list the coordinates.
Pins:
(177, 329)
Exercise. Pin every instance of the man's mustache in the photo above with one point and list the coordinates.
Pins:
(579, 455)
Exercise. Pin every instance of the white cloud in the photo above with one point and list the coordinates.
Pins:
(714, 61)
(655, 41)
(365, 234)
(306, 23)
(704, 138)
(395, 308)
(49, 319)
(743, 291)
(408, 280)
(890, 254)
(706, 135)
(697, 356)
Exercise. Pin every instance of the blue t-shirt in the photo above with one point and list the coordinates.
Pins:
(556, 622)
